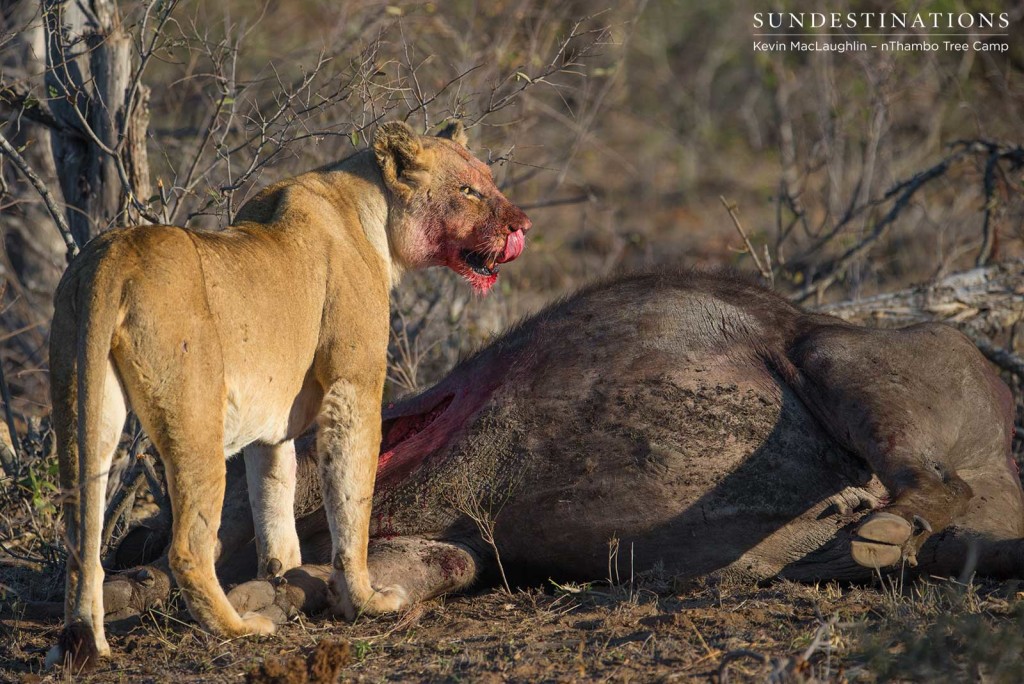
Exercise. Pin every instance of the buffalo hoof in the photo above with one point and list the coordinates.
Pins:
(135, 591)
(883, 541)
(300, 590)
(263, 597)
(874, 555)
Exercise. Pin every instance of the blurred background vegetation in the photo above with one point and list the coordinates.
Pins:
(618, 126)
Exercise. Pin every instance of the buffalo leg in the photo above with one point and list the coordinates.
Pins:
(918, 405)
(426, 567)
(989, 537)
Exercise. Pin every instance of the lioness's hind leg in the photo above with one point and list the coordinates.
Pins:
(195, 481)
(64, 400)
(85, 486)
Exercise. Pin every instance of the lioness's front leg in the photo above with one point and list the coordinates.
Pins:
(348, 444)
(270, 475)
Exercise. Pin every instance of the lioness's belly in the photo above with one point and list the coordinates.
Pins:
(258, 412)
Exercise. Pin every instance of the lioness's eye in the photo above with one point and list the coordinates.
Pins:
(470, 192)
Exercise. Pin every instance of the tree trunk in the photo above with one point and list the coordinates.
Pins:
(89, 75)
(32, 258)
(34, 251)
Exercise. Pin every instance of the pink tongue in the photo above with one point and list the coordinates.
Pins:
(513, 247)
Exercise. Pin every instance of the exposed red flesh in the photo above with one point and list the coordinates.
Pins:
(410, 438)
(416, 429)
(406, 427)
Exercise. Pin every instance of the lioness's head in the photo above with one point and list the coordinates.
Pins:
(445, 204)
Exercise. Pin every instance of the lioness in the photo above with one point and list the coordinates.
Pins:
(241, 338)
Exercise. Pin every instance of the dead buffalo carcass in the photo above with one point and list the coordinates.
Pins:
(701, 421)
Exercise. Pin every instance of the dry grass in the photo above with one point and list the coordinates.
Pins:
(929, 631)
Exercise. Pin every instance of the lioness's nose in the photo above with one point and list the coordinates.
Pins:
(522, 223)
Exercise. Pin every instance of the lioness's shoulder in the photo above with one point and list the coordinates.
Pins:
(266, 206)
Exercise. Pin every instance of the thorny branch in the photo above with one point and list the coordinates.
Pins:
(482, 501)
(22, 104)
(568, 58)
(121, 503)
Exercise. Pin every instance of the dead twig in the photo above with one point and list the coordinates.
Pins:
(904, 191)
(481, 502)
(24, 105)
(988, 234)
(15, 558)
(996, 153)
(728, 658)
(155, 482)
(764, 268)
(121, 504)
(51, 205)
(485, 522)
(784, 669)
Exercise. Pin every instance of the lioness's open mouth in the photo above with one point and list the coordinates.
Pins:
(486, 263)
(480, 263)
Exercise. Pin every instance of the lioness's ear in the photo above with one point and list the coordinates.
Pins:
(399, 154)
(455, 132)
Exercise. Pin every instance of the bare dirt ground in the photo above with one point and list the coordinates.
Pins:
(719, 629)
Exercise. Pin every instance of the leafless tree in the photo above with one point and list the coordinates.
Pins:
(88, 145)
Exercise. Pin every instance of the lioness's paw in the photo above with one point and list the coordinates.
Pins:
(377, 601)
(387, 600)
(258, 625)
(269, 598)
(78, 649)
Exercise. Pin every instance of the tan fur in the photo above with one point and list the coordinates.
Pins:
(222, 340)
